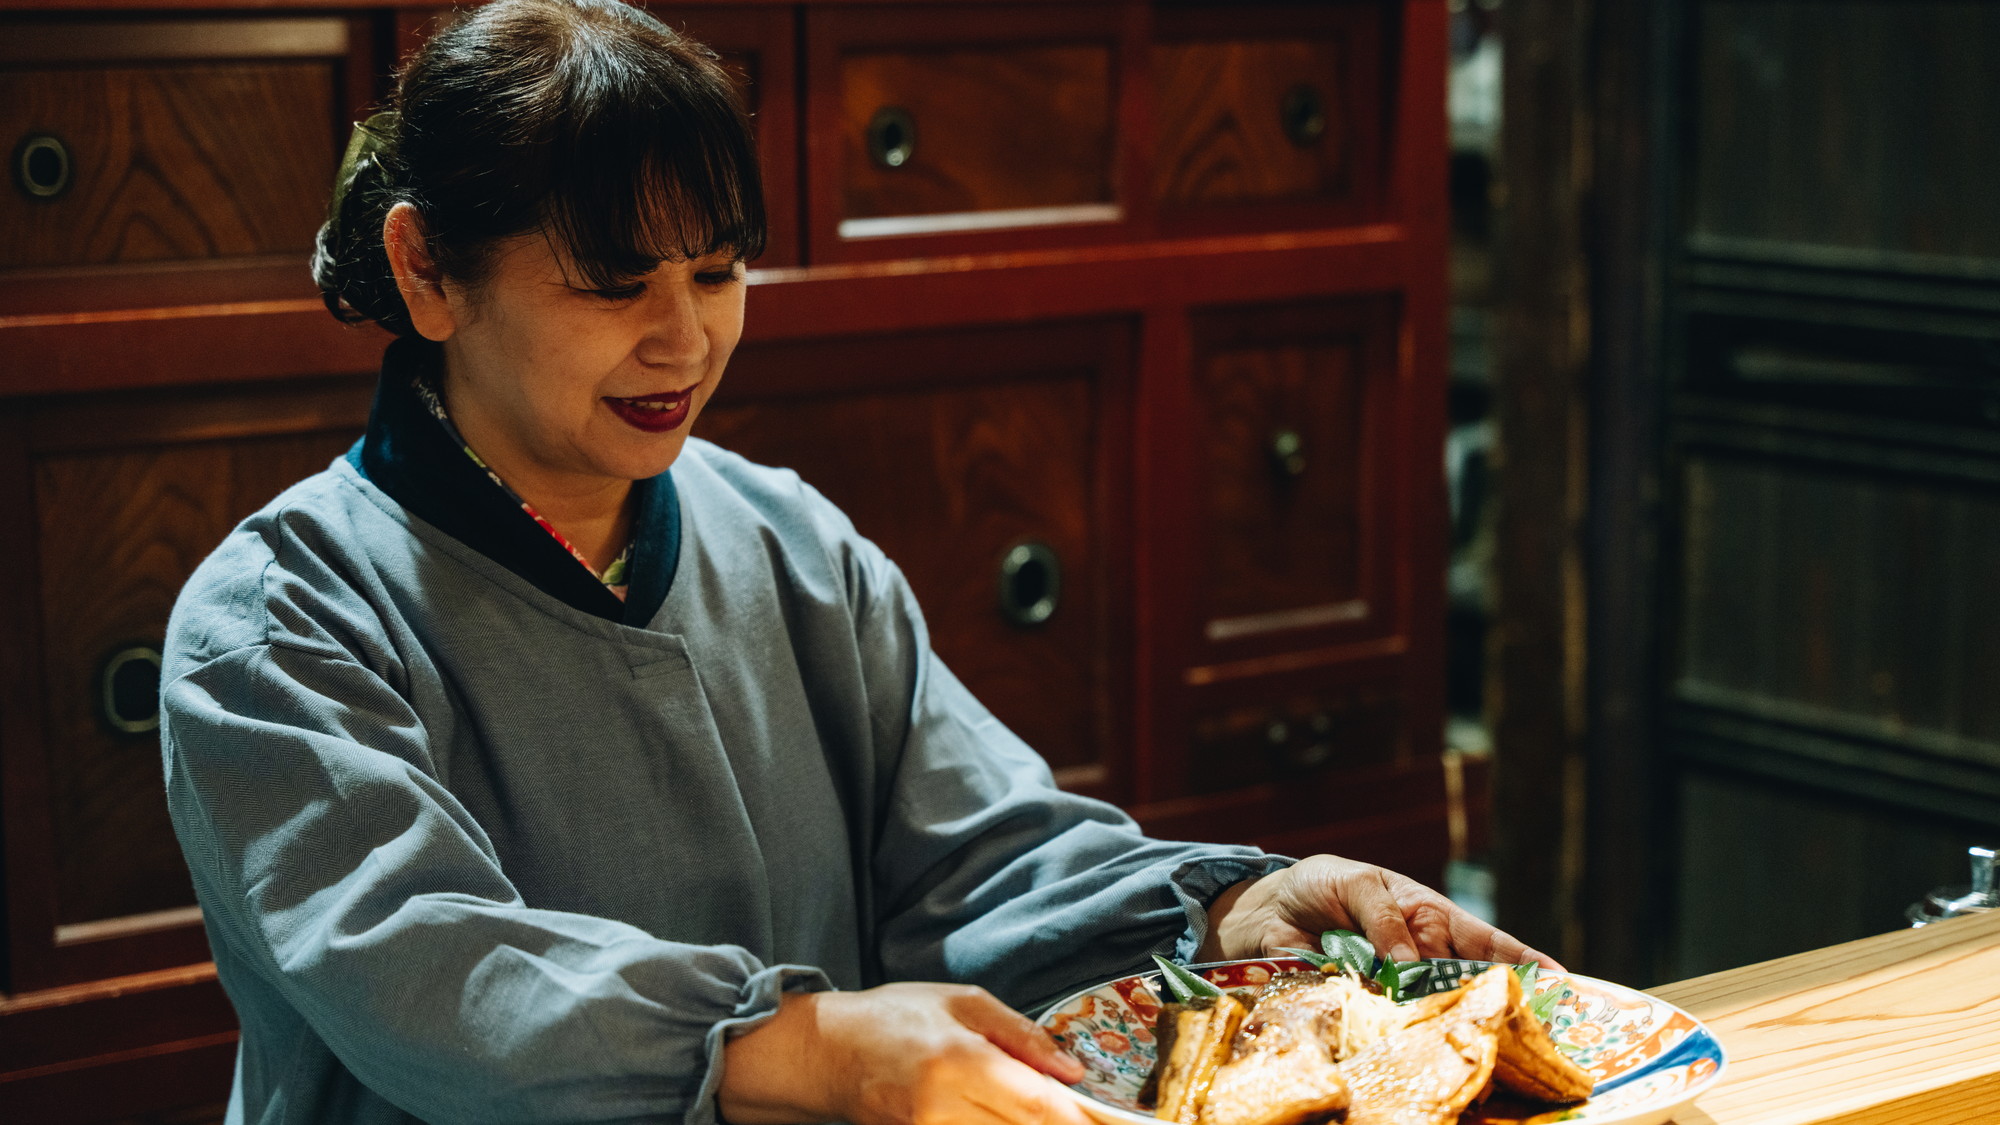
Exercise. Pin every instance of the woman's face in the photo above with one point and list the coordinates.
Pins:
(564, 389)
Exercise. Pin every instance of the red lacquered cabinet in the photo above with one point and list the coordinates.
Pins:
(1140, 307)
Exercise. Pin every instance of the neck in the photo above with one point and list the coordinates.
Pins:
(593, 512)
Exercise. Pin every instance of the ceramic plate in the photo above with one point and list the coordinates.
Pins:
(1650, 1059)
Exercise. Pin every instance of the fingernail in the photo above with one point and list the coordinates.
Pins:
(1402, 953)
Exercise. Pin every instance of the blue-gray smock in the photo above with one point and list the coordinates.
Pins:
(468, 852)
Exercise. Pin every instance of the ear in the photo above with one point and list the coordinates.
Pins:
(417, 276)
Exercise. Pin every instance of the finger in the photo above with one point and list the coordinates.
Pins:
(1015, 1034)
(1433, 919)
(1012, 1092)
(1373, 906)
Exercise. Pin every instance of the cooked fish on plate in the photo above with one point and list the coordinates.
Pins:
(1277, 1041)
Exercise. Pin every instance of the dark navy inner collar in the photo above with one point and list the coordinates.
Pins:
(407, 453)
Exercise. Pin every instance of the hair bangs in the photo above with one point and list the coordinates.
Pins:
(650, 165)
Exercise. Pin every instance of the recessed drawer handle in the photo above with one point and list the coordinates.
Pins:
(128, 690)
(1303, 114)
(42, 166)
(1030, 584)
(892, 136)
(1288, 454)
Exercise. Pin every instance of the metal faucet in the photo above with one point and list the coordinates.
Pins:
(1949, 902)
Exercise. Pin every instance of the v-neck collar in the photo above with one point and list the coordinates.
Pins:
(407, 453)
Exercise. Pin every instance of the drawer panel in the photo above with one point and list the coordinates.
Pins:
(979, 461)
(967, 128)
(120, 531)
(174, 162)
(980, 129)
(1268, 105)
(1291, 404)
(1295, 735)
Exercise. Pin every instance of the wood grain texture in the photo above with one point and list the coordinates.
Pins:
(1282, 542)
(1537, 649)
(1221, 136)
(1860, 608)
(1294, 735)
(1900, 1029)
(1867, 128)
(946, 482)
(1394, 816)
(174, 162)
(996, 128)
(1291, 555)
(119, 533)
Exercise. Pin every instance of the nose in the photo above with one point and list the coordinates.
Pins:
(675, 336)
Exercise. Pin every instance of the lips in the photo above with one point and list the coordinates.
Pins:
(654, 413)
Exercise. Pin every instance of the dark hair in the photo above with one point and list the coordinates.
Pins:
(588, 120)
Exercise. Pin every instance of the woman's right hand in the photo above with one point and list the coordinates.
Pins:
(901, 1054)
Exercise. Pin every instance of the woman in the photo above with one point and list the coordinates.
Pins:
(523, 779)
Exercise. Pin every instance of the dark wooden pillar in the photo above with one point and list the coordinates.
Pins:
(1538, 652)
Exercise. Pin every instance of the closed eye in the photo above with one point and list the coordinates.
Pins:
(618, 292)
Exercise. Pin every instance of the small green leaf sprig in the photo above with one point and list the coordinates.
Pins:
(1183, 984)
(1352, 953)
(1349, 952)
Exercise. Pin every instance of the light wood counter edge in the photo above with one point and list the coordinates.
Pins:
(1934, 1058)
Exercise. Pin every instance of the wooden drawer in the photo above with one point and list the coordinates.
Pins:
(987, 464)
(1268, 116)
(128, 497)
(1395, 816)
(935, 129)
(170, 140)
(1295, 545)
(1296, 733)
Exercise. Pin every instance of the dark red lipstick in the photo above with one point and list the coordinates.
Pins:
(655, 414)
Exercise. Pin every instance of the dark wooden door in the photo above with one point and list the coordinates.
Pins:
(1826, 736)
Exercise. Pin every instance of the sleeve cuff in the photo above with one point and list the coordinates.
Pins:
(755, 1005)
(1198, 882)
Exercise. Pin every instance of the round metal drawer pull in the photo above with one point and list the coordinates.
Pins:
(42, 166)
(1030, 584)
(1288, 454)
(892, 136)
(1303, 114)
(129, 690)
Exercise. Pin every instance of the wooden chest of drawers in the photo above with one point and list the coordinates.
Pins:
(1137, 307)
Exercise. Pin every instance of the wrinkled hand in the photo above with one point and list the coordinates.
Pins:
(901, 1054)
(1401, 917)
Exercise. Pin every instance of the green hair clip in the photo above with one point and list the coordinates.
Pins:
(368, 138)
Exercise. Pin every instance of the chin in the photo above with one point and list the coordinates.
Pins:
(657, 457)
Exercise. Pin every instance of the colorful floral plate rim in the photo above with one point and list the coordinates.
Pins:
(1650, 1059)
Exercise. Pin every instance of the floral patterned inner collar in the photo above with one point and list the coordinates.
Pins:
(613, 576)
(414, 455)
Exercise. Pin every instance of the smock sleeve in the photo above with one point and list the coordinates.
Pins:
(986, 873)
(332, 862)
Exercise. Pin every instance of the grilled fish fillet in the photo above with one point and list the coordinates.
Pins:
(1427, 1073)
(1204, 1028)
(1529, 1063)
(1281, 1069)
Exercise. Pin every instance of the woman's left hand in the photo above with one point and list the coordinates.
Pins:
(1401, 917)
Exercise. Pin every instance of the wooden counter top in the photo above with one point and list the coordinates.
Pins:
(1899, 1029)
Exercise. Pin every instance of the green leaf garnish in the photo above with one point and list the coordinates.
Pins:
(1316, 960)
(1527, 971)
(1397, 978)
(1183, 984)
(1350, 951)
(1543, 1006)
(1408, 976)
